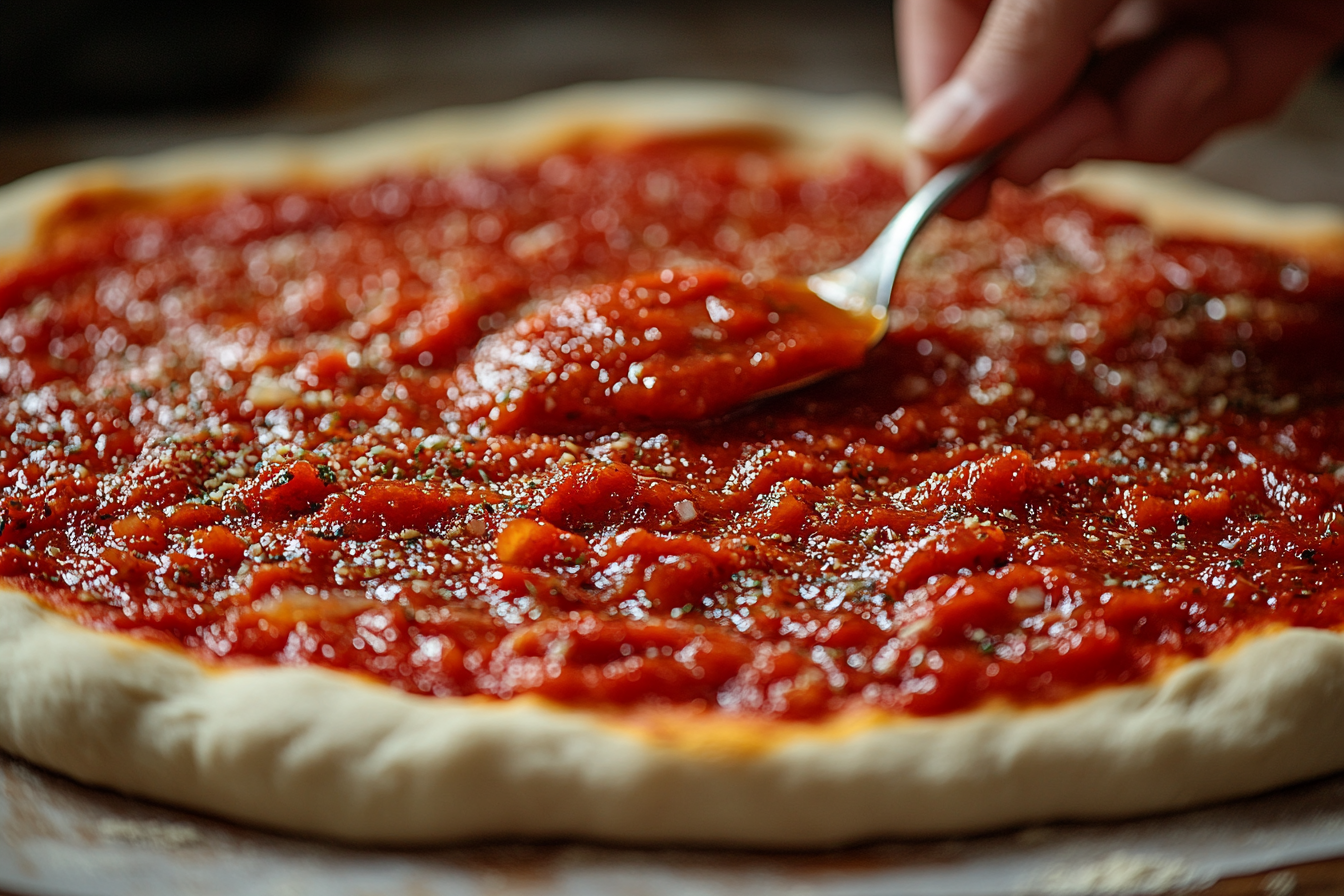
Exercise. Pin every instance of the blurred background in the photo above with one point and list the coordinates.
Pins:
(89, 78)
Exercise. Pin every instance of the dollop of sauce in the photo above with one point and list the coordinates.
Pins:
(378, 428)
(660, 346)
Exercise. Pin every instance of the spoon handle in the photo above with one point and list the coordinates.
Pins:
(891, 245)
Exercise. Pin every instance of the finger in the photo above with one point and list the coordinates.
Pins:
(1271, 57)
(1024, 59)
(1161, 99)
(1174, 87)
(1175, 95)
(1199, 85)
(1176, 100)
(1086, 126)
(971, 201)
(1161, 113)
(932, 36)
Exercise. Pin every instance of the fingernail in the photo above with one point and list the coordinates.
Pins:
(945, 117)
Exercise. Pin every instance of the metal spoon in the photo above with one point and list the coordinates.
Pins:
(864, 286)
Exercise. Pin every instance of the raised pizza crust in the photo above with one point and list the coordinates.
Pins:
(320, 752)
(1173, 203)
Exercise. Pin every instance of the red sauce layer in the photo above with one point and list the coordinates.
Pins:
(665, 346)
(378, 428)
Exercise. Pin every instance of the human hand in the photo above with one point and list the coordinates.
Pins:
(1147, 80)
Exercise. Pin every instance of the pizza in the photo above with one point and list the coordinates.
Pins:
(424, 483)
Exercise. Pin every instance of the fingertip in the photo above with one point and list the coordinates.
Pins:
(941, 124)
(918, 170)
(1024, 59)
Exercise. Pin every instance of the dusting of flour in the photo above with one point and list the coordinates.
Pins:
(161, 834)
(1119, 874)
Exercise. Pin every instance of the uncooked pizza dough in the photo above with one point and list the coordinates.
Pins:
(315, 751)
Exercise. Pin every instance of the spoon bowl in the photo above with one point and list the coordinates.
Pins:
(864, 286)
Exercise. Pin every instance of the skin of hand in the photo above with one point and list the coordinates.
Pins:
(1147, 80)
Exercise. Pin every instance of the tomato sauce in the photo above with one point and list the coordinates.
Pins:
(481, 431)
(665, 346)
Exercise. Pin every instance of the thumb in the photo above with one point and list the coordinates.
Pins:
(1026, 56)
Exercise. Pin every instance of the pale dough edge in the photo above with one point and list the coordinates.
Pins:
(316, 752)
(818, 129)
(821, 130)
(1172, 202)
